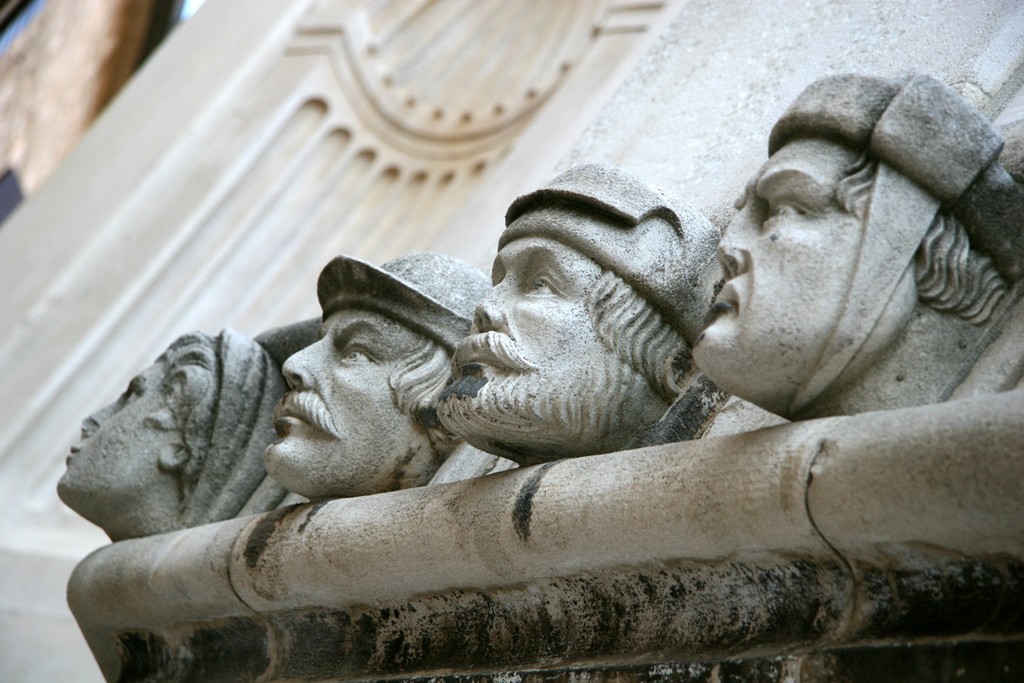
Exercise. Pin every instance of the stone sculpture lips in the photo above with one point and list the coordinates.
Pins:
(490, 349)
(727, 301)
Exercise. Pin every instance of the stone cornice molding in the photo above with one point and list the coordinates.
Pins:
(869, 526)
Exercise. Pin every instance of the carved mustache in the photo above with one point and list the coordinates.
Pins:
(308, 407)
(492, 349)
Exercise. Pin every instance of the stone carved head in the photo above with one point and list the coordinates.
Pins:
(183, 445)
(360, 416)
(869, 253)
(600, 285)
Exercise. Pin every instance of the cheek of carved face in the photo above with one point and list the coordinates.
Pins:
(121, 474)
(788, 259)
(535, 382)
(339, 430)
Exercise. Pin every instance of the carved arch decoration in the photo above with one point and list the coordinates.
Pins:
(450, 80)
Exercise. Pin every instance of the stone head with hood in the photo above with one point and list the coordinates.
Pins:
(874, 260)
(183, 445)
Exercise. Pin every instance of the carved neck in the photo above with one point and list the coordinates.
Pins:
(920, 366)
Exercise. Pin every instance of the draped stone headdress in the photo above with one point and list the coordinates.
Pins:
(233, 424)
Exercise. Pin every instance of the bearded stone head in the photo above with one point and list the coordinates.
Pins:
(599, 286)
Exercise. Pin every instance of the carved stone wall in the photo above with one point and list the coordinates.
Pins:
(705, 131)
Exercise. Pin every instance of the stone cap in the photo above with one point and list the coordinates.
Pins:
(669, 262)
(433, 294)
(926, 131)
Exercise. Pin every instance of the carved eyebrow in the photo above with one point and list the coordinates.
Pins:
(356, 329)
(527, 262)
(559, 278)
(786, 182)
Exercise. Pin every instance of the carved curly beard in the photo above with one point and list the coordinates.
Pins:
(543, 415)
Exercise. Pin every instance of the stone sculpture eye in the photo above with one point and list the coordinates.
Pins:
(785, 210)
(355, 355)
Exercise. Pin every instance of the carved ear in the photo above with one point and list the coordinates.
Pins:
(185, 388)
(173, 460)
(162, 420)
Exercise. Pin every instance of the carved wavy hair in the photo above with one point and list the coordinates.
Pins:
(415, 388)
(951, 277)
(193, 418)
(630, 327)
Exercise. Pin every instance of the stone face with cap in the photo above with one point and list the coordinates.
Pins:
(875, 255)
(359, 417)
(599, 285)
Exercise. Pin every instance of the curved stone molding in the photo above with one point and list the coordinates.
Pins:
(454, 80)
(812, 535)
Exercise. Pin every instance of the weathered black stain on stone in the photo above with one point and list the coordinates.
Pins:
(687, 418)
(466, 386)
(227, 651)
(1009, 615)
(663, 613)
(315, 508)
(147, 656)
(319, 644)
(230, 651)
(929, 595)
(261, 533)
(564, 621)
(523, 508)
(963, 662)
(427, 417)
(926, 662)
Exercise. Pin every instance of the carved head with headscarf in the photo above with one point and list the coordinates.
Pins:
(184, 444)
(869, 263)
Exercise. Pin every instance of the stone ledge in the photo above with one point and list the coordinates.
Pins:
(877, 528)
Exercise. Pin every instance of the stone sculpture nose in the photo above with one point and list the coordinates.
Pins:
(489, 316)
(90, 425)
(734, 260)
(297, 369)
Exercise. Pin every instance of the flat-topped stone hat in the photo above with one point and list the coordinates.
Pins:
(926, 131)
(432, 294)
(670, 262)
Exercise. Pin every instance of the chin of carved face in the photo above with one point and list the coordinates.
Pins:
(539, 414)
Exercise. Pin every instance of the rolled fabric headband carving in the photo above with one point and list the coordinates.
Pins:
(927, 132)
